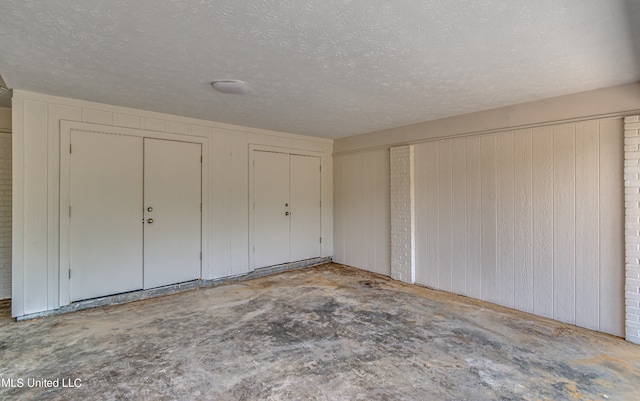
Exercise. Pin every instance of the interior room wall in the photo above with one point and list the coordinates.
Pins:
(5, 118)
(362, 210)
(5, 203)
(529, 219)
(357, 157)
(36, 237)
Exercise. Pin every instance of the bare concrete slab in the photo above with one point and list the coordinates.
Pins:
(321, 333)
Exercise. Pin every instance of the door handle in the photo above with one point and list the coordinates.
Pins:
(286, 213)
(150, 221)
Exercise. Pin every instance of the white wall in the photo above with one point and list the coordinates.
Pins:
(362, 211)
(36, 130)
(5, 118)
(530, 219)
(5, 203)
(552, 246)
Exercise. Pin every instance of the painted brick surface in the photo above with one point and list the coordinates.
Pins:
(402, 214)
(5, 215)
(632, 226)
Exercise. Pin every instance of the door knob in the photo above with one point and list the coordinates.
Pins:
(286, 213)
(149, 209)
(150, 221)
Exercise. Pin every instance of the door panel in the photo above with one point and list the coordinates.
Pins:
(172, 197)
(270, 219)
(105, 197)
(305, 207)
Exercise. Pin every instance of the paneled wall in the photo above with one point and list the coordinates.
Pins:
(5, 203)
(5, 215)
(362, 210)
(36, 154)
(530, 219)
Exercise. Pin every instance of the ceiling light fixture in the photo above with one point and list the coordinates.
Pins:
(231, 86)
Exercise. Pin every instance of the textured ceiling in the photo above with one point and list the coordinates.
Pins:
(330, 68)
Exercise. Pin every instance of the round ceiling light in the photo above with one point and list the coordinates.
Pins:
(231, 86)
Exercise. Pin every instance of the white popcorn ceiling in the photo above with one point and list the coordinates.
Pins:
(329, 68)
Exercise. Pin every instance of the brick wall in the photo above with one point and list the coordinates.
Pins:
(5, 215)
(402, 214)
(632, 226)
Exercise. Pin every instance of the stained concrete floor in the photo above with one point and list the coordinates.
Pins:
(321, 333)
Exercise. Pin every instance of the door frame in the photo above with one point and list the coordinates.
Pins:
(66, 127)
(275, 149)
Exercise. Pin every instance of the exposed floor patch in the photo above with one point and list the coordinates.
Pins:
(322, 333)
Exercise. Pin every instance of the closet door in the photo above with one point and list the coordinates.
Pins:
(271, 208)
(172, 212)
(105, 230)
(304, 199)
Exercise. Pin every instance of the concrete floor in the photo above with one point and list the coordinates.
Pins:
(321, 333)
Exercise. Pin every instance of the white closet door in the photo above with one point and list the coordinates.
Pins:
(305, 207)
(172, 196)
(105, 193)
(271, 211)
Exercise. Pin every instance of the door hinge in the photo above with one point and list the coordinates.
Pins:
(201, 208)
(69, 148)
(320, 168)
(321, 240)
(69, 273)
(69, 211)
(200, 255)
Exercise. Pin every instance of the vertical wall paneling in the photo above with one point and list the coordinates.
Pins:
(488, 219)
(176, 127)
(371, 213)
(338, 188)
(564, 223)
(420, 170)
(57, 112)
(350, 198)
(97, 116)
(360, 182)
(459, 216)
(433, 219)
(327, 199)
(505, 276)
(587, 225)
(35, 196)
(523, 215)
(126, 120)
(18, 207)
(473, 218)
(530, 219)
(542, 147)
(362, 214)
(36, 283)
(611, 227)
(220, 251)
(153, 124)
(239, 197)
(5, 213)
(445, 214)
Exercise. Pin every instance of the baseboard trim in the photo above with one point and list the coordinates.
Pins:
(173, 289)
